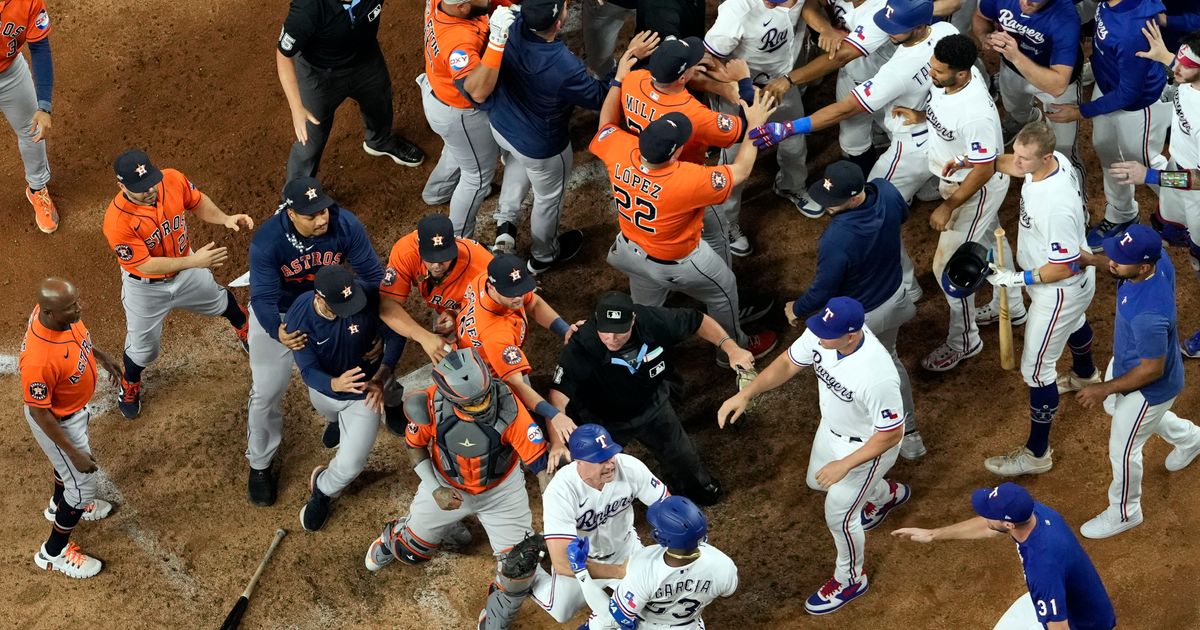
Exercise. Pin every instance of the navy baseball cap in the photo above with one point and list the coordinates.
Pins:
(843, 180)
(901, 16)
(540, 15)
(841, 316)
(335, 284)
(1006, 502)
(509, 276)
(435, 239)
(136, 172)
(592, 443)
(1137, 244)
(673, 57)
(306, 196)
(661, 138)
(614, 312)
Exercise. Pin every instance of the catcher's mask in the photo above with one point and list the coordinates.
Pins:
(465, 381)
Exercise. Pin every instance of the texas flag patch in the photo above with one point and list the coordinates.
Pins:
(978, 147)
(888, 414)
(1058, 248)
(858, 32)
(866, 86)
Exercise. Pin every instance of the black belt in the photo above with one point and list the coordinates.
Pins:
(852, 439)
(661, 261)
(149, 280)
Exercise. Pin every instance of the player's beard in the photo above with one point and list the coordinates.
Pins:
(478, 11)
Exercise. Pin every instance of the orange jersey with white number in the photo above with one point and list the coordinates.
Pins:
(642, 104)
(497, 331)
(406, 270)
(453, 47)
(20, 21)
(58, 367)
(136, 232)
(660, 210)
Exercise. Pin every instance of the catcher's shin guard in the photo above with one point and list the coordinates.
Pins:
(410, 549)
(514, 581)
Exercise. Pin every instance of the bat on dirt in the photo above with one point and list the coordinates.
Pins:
(1007, 361)
(234, 618)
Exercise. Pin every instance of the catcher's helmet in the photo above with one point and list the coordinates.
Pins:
(966, 270)
(465, 380)
(901, 16)
(676, 523)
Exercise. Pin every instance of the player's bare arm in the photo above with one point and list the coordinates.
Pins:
(82, 461)
(981, 27)
(1052, 80)
(712, 332)
(286, 69)
(979, 175)
(975, 528)
(393, 313)
(560, 430)
(559, 421)
(829, 37)
(876, 445)
(208, 212)
(548, 318)
(1145, 372)
(610, 111)
(557, 549)
(114, 369)
(780, 371)
(208, 257)
(481, 81)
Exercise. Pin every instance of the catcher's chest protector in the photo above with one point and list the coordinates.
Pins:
(472, 452)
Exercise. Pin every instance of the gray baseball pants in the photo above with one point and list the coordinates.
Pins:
(270, 373)
(547, 177)
(19, 102)
(885, 321)
(147, 305)
(78, 488)
(358, 426)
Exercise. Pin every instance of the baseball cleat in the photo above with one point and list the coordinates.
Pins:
(506, 239)
(946, 358)
(762, 343)
(754, 309)
(129, 400)
(1109, 523)
(1020, 462)
(1180, 457)
(314, 513)
(44, 211)
(379, 554)
(569, 243)
(332, 436)
(243, 333)
(806, 206)
(873, 515)
(989, 314)
(96, 510)
(400, 151)
(1174, 234)
(1069, 381)
(915, 292)
(739, 245)
(834, 594)
(912, 446)
(71, 562)
(1105, 229)
(261, 487)
(1190, 347)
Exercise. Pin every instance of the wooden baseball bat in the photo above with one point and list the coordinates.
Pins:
(234, 618)
(1007, 361)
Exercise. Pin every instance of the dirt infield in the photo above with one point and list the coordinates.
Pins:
(194, 84)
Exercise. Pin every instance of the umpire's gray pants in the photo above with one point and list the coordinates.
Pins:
(270, 372)
(601, 25)
(19, 102)
(78, 488)
(358, 426)
(548, 178)
(701, 275)
(885, 321)
(464, 171)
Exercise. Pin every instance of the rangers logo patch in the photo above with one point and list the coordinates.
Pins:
(724, 122)
(389, 277)
(512, 355)
(535, 434)
(719, 180)
(978, 147)
(38, 391)
(458, 60)
(1058, 248)
(606, 132)
(125, 253)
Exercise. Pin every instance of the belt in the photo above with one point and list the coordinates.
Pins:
(852, 439)
(661, 261)
(149, 280)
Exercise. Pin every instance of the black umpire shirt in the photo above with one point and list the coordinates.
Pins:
(619, 386)
(331, 34)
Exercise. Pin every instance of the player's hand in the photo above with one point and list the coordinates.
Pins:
(209, 257)
(1003, 43)
(953, 166)
(572, 329)
(790, 314)
(292, 340)
(740, 358)
(1128, 172)
(375, 352)
(41, 125)
(737, 69)
(772, 133)
(560, 455)
(499, 23)
(910, 116)
(644, 44)
(434, 347)
(1158, 48)
(577, 553)
(236, 222)
(374, 399)
(832, 473)
(115, 371)
(448, 499)
(83, 462)
(778, 87)
(1001, 277)
(732, 409)
(915, 534)
(939, 219)
(1063, 113)
(758, 113)
(300, 119)
(350, 382)
(444, 325)
(1092, 395)
(831, 40)
(563, 426)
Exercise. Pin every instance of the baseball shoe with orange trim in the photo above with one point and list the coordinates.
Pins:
(44, 211)
(70, 562)
(314, 513)
(130, 399)
(243, 333)
(96, 510)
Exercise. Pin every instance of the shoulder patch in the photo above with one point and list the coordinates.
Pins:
(389, 277)
(191, 186)
(558, 375)
(535, 434)
(724, 122)
(124, 252)
(719, 180)
(512, 355)
(286, 42)
(42, 22)
(38, 391)
(606, 132)
(412, 428)
(458, 60)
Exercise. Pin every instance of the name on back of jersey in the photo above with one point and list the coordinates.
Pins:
(630, 175)
(670, 591)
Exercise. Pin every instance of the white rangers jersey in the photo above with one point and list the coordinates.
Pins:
(874, 44)
(859, 393)
(662, 596)
(1053, 221)
(572, 508)
(1185, 127)
(903, 81)
(964, 124)
(770, 40)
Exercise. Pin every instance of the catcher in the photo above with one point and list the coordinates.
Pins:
(616, 371)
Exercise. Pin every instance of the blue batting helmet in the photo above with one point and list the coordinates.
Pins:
(676, 523)
(592, 443)
(901, 16)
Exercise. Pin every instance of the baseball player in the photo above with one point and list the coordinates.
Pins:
(1129, 121)
(463, 48)
(25, 98)
(661, 199)
(467, 438)
(146, 228)
(345, 370)
(591, 498)
(1144, 376)
(309, 232)
(857, 441)
(1064, 589)
(441, 267)
(668, 585)
(56, 389)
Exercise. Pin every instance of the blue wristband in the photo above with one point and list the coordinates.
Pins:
(545, 410)
(802, 125)
(559, 327)
(1029, 281)
(1152, 176)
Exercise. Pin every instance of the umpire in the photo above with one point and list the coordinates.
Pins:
(858, 256)
(328, 51)
(616, 371)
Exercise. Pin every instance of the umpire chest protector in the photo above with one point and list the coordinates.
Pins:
(463, 443)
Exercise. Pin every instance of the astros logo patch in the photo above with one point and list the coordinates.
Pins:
(125, 253)
(38, 391)
(512, 355)
(724, 122)
(719, 180)
(389, 277)
(458, 60)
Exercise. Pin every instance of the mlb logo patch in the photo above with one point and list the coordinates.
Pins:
(978, 148)
(888, 414)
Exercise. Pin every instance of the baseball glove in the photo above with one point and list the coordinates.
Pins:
(743, 379)
(524, 557)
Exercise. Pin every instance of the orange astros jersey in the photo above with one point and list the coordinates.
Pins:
(58, 369)
(20, 21)
(405, 269)
(495, 330)
(137, 233)
(662, 210)
(453, 47)
(642, 104)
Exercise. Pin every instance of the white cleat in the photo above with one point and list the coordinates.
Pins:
(1180, 457)
(1071, 382)
(1108, 523)
(1020, 462)
(988, 314)
(71, 562)
(96, 510)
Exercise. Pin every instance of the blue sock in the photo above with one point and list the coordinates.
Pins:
(133, 371)
(1043, 404)
(233, 312)
(1080, 343)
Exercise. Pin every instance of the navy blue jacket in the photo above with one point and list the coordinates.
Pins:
(284, 264)
(1129, 82)
(859, 252)
(337, 345)
(540, 84)
(1183, 17)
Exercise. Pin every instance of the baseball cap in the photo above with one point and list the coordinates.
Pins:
(901, 16)
(335, 284)
(1006, 502)
(614, 312)
(841, 315)
(673, 57)
(435, 239)
(306, 196)
(592, 443)
(540, 15)
(661, 138)
(1137, 244)
(843, 180)
(136, 172)
(509, 276)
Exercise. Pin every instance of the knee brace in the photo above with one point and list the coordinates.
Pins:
(410, 549)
